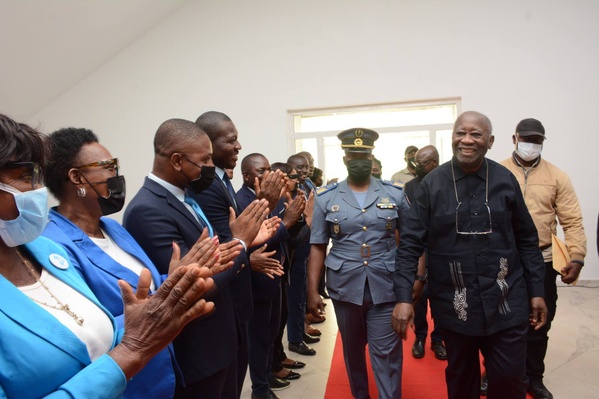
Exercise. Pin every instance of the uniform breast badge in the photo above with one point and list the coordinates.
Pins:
(385, 204)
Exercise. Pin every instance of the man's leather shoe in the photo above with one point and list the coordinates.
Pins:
(310, 339)
(301, 348)
(484, 384)
(418, 349)
(315, 319)
(538, 390)
(293, 364)
(269, 395)
(308, 329)
(439, 349)
(277, 384)
(291, 375)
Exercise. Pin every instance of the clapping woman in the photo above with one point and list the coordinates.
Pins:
(56, 339)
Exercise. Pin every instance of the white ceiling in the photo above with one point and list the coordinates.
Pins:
(48, 46)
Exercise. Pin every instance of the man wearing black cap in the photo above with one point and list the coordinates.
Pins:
(360, 216)
(407, 174)
(550, 198)
(485, 270)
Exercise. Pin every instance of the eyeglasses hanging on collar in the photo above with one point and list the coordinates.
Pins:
(460, 224)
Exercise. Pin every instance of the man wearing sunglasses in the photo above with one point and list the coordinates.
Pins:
(485, 270)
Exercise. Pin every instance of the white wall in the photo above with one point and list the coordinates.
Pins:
(256, 60)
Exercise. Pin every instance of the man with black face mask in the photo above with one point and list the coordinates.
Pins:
(407, 174)
(427, 159)
(163, 212)
(360, 216)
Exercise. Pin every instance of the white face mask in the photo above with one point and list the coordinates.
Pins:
(33, 216)
(528, 151)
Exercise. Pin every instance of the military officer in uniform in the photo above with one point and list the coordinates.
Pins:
(360, 216)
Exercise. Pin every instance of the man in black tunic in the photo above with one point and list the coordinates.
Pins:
(485, 269)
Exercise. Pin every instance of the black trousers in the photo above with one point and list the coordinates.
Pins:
(538, 340)
(505, 362)
(263, 329)
(420, 322)
(278, 352)
(208, 388)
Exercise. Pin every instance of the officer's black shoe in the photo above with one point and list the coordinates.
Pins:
(301, 348)
(310, 339)
(484, 384)
(277, 384)
(418, 348)
(538, 390)
(439, 350)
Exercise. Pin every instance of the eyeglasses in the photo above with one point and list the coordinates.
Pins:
(35, 173)
(110, 164)
(486, 227)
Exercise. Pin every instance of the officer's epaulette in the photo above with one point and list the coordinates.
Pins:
(324, 189)
(395, 184)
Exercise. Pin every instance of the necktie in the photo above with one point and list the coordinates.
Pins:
(200, 213)
(229, 187)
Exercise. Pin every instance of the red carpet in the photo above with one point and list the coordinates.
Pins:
(422, 378)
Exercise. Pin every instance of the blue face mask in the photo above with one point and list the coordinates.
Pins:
(33, 216)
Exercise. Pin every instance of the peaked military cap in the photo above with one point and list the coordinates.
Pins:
(358, 139)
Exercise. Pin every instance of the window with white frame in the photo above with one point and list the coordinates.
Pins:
(399, 125)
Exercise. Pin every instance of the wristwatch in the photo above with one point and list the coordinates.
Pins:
(422, 278)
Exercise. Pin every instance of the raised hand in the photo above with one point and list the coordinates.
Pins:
(271, 187)
(294, 209)
(197, 252)
(228, 252)
(152, 322)
(248, 224)
(267, 230)
(261, 261)
(309, 209)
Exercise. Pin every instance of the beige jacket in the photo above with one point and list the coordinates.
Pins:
(550, 197)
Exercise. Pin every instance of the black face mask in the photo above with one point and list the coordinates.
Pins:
(359, 170)
(377, 175)
(421, 171)
(204, 181)
(116, 195)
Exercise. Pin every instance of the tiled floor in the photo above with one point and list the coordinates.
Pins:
(572, 362)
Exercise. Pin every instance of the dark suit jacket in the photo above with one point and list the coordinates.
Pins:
(263, 287)
(215, 202)
(156, 218)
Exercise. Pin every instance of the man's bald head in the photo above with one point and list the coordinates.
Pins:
(254, 166)
(249, 160)
(174, 135)
(211, 121)
(181, 148)
(427, 152)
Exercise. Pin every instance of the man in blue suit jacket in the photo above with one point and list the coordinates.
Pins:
(216, 201)
(266, 269)
(159, 215)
